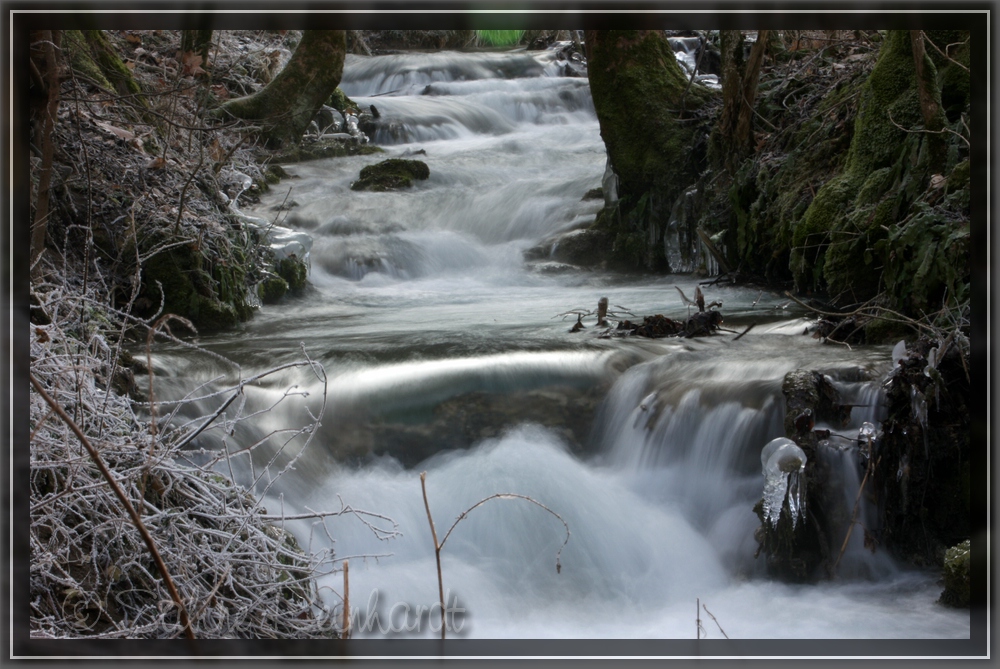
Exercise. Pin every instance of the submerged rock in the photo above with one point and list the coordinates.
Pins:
(465, 420)
(391, 174)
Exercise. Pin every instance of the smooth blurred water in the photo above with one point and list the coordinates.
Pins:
(426, 318)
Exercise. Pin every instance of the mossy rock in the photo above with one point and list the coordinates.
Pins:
(391, 174)
(956, 575)
(272, 289)
(584, 248)
(293, 272)
(211, 296)
(274, 174)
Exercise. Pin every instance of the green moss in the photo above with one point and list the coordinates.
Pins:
(888, 99)
(839, 245)
(293, 272)
(391, 174)
(272, 289)
(90, 54)
(811, 236)
(959, 177)
(956, 575)
(339, 101)
(74, 44)
(210, 295)
(274, 174)
(874, 186)
(927, 259)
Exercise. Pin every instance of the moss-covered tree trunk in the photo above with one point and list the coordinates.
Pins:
(93, 57)
(287, 104)
(639, 91)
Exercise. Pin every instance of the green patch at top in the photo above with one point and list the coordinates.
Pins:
(500, 37)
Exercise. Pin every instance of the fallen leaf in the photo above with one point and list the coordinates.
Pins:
(42, 335)
(133, 39)
(192, 63)
(117, 132)
(216, 151)
(156, 163)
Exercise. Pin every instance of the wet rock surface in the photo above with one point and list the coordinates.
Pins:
(923, 472)
(392, 174)
(463, 421)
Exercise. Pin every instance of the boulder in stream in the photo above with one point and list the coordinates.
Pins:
(804, 541)
(923, 474)
(391, 174)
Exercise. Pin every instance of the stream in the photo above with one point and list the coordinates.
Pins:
(445, 352)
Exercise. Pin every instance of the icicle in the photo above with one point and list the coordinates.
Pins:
(784, 467)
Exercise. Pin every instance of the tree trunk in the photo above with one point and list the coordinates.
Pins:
(733, 140)
(638, 91)
(287, 104)
(92, 56)
(39, 225)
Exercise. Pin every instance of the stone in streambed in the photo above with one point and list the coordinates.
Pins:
(391, 174)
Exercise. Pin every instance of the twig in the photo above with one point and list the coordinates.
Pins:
(281, 207)
(857, 500)
(749, 327)
(697, 618)
(716, 621)
(462, 516)
(345, 631)
(194, 172)
(437, 549)
(932, 132)
(133, 515)
(938, 49)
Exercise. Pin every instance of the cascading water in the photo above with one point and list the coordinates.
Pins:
(444, 353)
